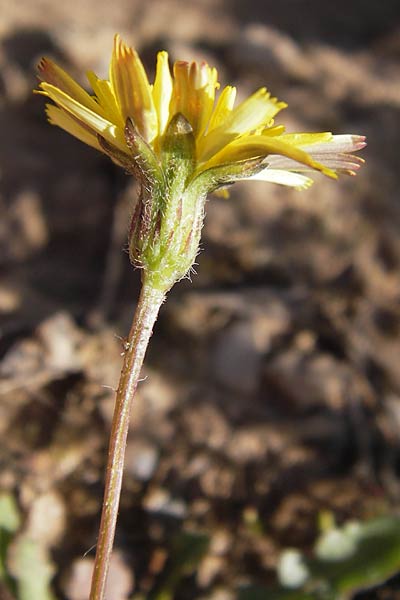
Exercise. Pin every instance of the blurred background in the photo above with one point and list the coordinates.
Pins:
(270, 406)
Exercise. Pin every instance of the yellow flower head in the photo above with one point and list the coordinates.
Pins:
(224, 133)
(182, 141)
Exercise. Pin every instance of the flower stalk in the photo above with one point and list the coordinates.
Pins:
(147, 309)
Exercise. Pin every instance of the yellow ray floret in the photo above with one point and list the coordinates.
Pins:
(162, 91)
(107, 100)
(132, 89)
(193, 93)
(52, 74)
(223, 108)
(91, 118)
(61, 118)
(253, 113)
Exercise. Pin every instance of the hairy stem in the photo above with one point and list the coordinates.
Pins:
(135, 348)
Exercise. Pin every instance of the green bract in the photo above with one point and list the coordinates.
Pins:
(168, 216)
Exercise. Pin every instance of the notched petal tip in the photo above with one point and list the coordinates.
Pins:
(346, 143)
(43, 64)
(46, 72)
(341, 162)
(162, 54)
(40, 91)
(120, 48)
(181, 64)
(122, 52)
(359, 142)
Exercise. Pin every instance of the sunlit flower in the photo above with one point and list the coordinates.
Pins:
(224, 133)
(182, 139)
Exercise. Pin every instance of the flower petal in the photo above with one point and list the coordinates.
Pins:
(194, 93)
(205, 80)
(332, 150)
(223, 108)
(306, 140)
(106, 98)
(299, 182)
(345, 163)
(162, 91)
(257, 110)
(132, 89)
(340, 161)
(337, 143)
(53, 74)
(261, 145)
(274, 130)
(91, 119)
(58, 116)
(253, 113)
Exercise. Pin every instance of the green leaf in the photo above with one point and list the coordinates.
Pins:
(187, 551)
(358, 555)
(10, 521)
(32, 569)
(347, 560)
(255, 592)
